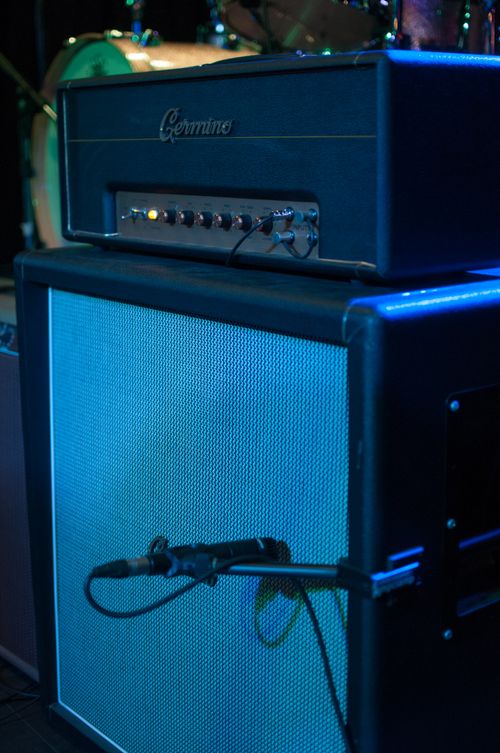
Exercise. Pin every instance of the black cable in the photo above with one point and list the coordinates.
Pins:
(346, 733)
(269, 218)
(25, 691)
(170, 597)
(17, 692)
(312, 242)
(15, 697)
(289, 247)
(16, 713)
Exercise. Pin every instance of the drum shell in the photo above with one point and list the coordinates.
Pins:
(93, 55)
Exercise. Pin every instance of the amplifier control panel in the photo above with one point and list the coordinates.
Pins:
(220, 224)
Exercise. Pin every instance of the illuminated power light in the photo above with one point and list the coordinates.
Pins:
(153, 214)
(219, 28)
(327, 51)
(465, 26)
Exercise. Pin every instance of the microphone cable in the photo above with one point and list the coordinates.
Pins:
(344, 727)
(208, 576)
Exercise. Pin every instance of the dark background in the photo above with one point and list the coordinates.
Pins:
(32, 33)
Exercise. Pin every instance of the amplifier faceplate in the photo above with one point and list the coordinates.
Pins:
(218, 223)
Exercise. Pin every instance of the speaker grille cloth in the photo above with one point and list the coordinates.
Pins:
(201, 431)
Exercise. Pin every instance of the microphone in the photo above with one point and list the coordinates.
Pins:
(196, 560)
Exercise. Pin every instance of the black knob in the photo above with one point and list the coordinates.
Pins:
(204, 219)
(223, 220)
(170, 216)
(185, 217)
(242, 222)
(266, 226)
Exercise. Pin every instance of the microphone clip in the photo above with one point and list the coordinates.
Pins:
(193, 563)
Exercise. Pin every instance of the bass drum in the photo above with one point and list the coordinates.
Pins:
(87, 56)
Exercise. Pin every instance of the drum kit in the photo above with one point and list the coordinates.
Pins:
(243, 28)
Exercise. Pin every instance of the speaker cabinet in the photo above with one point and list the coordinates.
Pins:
(17, 621)
(204, 404)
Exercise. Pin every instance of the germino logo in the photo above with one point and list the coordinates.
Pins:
(172, 127)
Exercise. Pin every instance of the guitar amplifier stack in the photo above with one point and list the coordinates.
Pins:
(268, 326)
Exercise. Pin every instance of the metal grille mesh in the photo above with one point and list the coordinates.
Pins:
(201, 431)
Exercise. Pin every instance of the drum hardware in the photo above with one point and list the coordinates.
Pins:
(324, 26)
(40, 102)
(320, 26)
(137, 8)
(28, 102)
(214, 31)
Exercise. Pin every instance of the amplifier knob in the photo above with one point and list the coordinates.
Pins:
(169, 216)
(223, 220)
(185, 217)
(242, 222)
(204, 219)
(267, 224)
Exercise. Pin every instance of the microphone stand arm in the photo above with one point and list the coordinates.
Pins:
(342, 575)
(401, 571)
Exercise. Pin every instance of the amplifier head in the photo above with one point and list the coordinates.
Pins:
(379, 165)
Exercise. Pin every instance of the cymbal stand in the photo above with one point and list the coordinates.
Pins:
(28, 102)
(137, 9)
